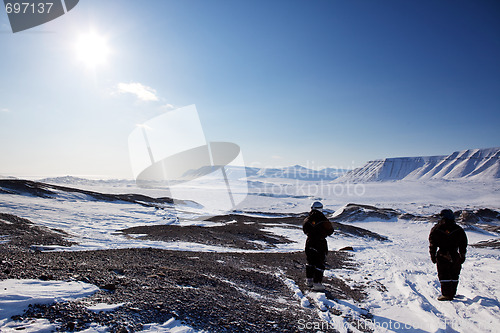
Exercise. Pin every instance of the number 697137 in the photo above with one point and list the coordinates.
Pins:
(28, 7)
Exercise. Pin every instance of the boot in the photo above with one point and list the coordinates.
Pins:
(309, 283)
(444, 298)
(318, 286)
(447, 289)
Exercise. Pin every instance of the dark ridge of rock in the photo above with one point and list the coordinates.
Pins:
(468, 216)
(412, 217)
(19, 186)
(407, 216)
(235, 235)
(357, 212)
(350, 230)
(240, 231)
(490, 228)
(488, 215)
(263, 218)
(492, 243)
(22, 233)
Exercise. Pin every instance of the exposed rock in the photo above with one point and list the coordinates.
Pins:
(357, 212)
(19, 186)
(241, 235)
(488, 215)
(24, 233)
(467, 217)
(109, 286)
(350, 230)
(492, 243)
(491, 228)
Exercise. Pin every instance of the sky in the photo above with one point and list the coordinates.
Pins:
(320, 83)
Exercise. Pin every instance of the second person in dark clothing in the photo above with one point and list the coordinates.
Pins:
(317, 227)
(451, 240)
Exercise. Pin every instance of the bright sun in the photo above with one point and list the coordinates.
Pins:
(92, 49)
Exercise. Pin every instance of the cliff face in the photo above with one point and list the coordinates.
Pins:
(476, 164)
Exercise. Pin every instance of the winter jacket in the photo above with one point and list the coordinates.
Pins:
(317, 227)
(451, 240)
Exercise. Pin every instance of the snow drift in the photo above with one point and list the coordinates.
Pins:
(474, 164)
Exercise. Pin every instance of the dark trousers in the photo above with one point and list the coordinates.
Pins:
(315, 264)
(448, 273)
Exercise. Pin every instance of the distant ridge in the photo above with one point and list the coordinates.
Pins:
(71, 180)
(473, 164)
(292, 172)
(299, 172)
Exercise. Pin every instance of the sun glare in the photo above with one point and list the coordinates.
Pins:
(92, 49)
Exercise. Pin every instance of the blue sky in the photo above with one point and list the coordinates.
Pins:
(317, 83)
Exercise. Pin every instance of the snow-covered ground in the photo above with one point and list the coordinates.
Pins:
(401, 279)
(404, 285)
(16, 295)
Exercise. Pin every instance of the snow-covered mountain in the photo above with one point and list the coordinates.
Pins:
(7, 177)
(71, 180)
(296, 172)
(292, 172)
(474, 164)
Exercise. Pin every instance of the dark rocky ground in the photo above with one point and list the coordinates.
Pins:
(217, 292)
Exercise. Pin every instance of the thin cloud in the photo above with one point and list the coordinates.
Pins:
(4, 110)
(142, 92)
(168, 106)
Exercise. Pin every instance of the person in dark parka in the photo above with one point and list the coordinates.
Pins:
(447, 247)
(317, 227)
